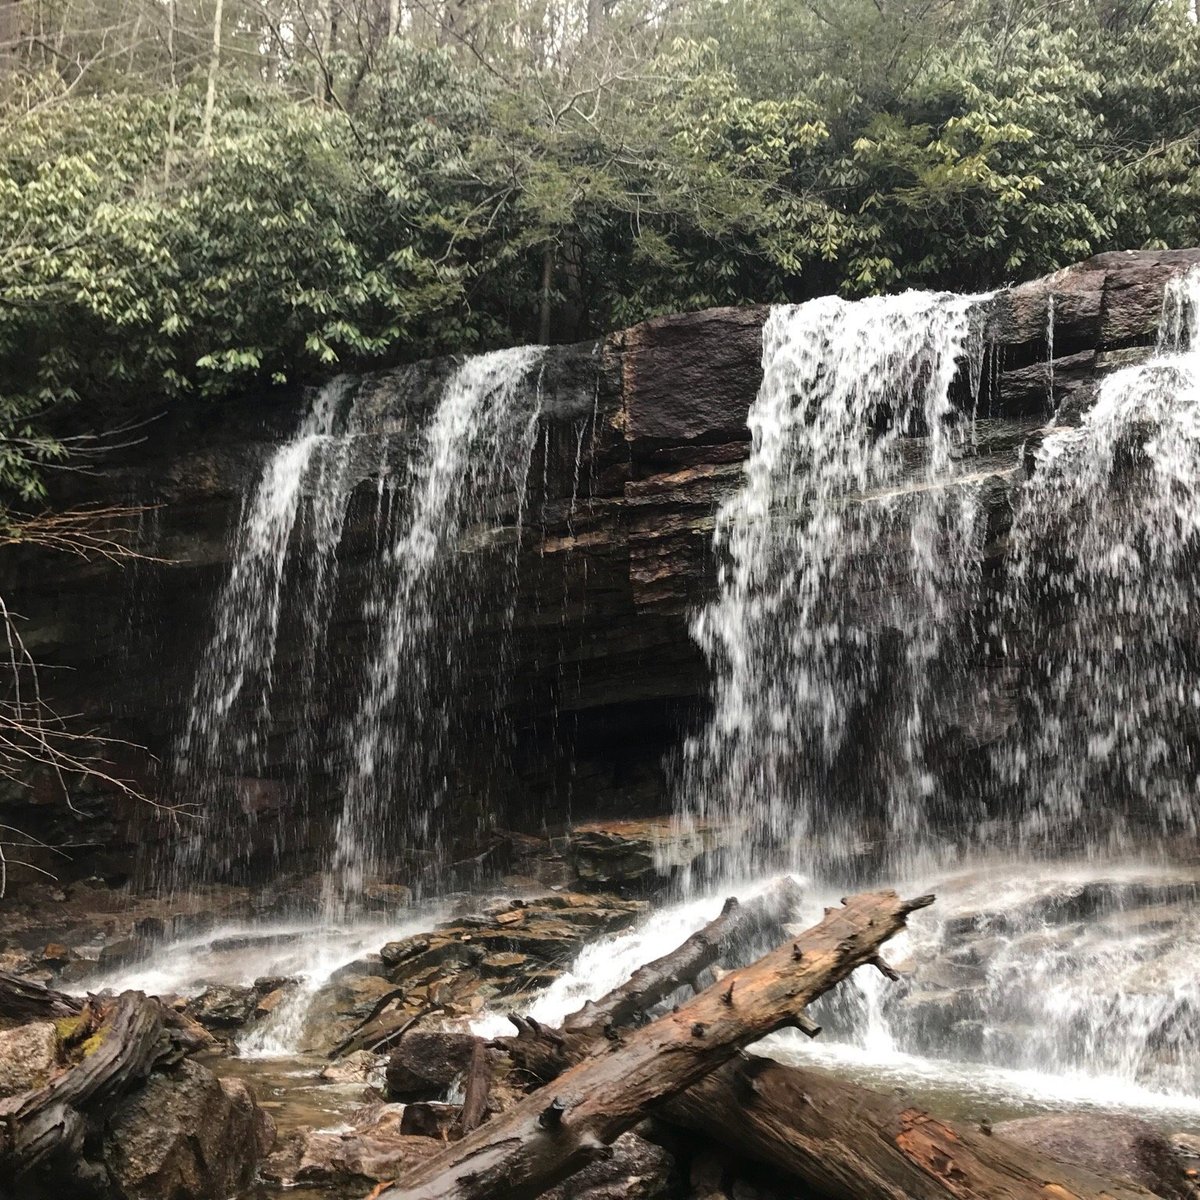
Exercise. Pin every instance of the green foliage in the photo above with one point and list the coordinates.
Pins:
(365, 199)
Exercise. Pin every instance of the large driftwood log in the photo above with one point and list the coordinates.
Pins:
(843, 1140)
(476, 1092)
(562, 1127)
(850, 1143)
(545, 1053)
(122, 1040)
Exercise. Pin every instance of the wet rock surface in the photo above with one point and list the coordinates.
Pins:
(186, 1135)
(638, 854)
(1106, 1144)
(426, 1063)
(372, 1149)
(28, 1056)
(986, 979)
(645, 434)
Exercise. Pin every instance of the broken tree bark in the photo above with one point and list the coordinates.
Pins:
(545, 1053)
(122, 1042)
(560, 1128)
(23, 1000)
(475, 1093)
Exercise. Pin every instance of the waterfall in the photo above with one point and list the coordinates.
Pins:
(301, 493)
(1052, 980)
(441, 518)
(854, 517)
(468, 480)
(1104, 581)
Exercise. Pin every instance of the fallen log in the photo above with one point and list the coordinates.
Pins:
(657, 980)
(475, 1093)
(842, 1140)
(22, 1000)
(560, 1128)
(850, 1143)
(544, 1052)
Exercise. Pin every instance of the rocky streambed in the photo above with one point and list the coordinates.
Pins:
(305, 1055)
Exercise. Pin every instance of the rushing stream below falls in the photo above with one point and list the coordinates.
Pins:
(863, 564)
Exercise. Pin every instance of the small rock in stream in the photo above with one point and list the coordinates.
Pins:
(426, 1062)
(372, 1150)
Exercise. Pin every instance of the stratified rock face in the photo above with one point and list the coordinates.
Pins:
(643, 436)
(643, 853)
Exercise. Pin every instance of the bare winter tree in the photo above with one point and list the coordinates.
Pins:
(35, 739)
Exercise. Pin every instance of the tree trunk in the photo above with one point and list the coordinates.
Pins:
(560, 1128)
(475, 1095)
(850, 1143)
(214, 66)
(452, 28)
(547, 292)
(545, 1053)
(10, 35)
(23, 1000)
(173, 110)
(126, 1039)
(596, 12)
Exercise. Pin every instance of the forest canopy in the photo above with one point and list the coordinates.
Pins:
(200, 196)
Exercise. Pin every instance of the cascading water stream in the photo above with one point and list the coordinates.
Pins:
(469, 475)
(304, 485)
(439, 522)
(1104, 581)
(838, 531)
(1031, 983)
(849, 572)
(1069, 981)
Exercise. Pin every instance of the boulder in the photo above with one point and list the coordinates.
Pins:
(28, 1054)
(224, 1006)
(186, 1135)
(429, 1118)
(340, 1007)
(691, 378)
(426, 1062)
(1106, 1144)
